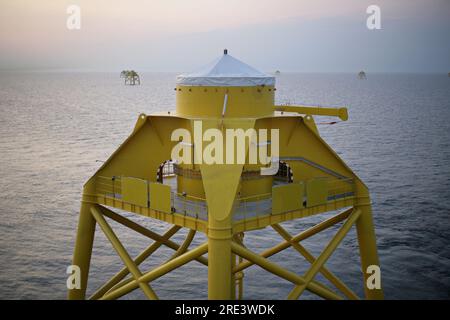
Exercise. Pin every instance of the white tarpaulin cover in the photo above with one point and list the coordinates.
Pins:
(226, 71)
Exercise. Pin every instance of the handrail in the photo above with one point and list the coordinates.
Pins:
(338, 188)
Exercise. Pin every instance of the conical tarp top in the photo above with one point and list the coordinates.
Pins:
(226, 71)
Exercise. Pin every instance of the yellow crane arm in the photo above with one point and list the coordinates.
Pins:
(317, 111)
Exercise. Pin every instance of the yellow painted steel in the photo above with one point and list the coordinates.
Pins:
(192, 185)
(83, 250)
(318, 111)
(315, 287)
(241, 102)
(158, 272)
(220, 198)
(310, 258)
(160, 197)
(139, 259)
(287, 198)
(301, 236)
(319, 262)
(135, 191)
(316, 192)
(224, 201)
(185, 245)
(367, 243)
(129, 263)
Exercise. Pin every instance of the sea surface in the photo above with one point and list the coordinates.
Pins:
(57, 128)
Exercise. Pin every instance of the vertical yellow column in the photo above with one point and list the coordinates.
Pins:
(367, 241)
(221, 182)
(83, 248)
(219, 259)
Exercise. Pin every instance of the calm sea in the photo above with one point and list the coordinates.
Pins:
(56, 127)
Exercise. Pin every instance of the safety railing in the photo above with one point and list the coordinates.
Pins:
(109, 186)
(252, 206)
(244, 207)
(168, 169)
(339, 188)
(189, 206)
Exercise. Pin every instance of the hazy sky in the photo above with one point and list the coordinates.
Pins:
(178, 35)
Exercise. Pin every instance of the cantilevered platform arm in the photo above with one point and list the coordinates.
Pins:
(318, 111)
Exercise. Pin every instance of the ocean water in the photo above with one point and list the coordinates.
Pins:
(56, 128)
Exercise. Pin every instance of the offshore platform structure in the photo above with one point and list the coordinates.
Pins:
(226, 200)
(131, 77)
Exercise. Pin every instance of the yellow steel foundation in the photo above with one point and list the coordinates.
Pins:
(224, 201)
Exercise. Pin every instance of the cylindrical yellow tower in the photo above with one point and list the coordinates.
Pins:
(225, 88)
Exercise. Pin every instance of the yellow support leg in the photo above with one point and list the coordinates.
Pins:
(219, 263)
(83, 249)
(368, 247)
(220, 197)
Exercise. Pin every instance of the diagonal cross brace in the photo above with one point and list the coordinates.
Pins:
(122, 252)
(141, 257)
(315, 287)
(145, 232)
(323, 257)
(158, 271)
(300, 237)
(311, 259)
